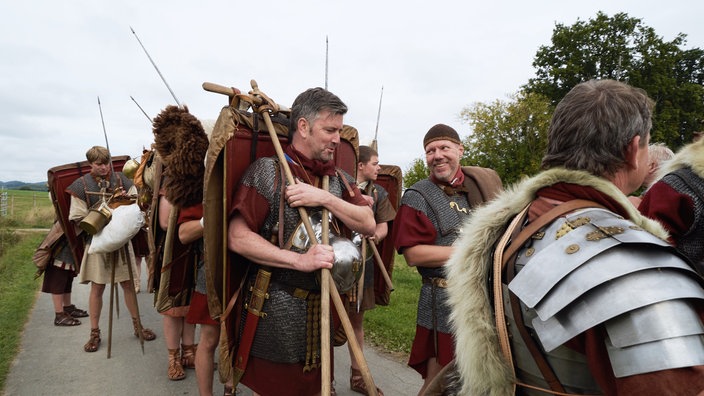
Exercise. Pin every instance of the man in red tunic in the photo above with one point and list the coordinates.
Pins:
(284, 356)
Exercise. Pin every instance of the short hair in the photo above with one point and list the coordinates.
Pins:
(659, 152)
(98, 154)
(310, 103)
(593, 125)
(366, 153)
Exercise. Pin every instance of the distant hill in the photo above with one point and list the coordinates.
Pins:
(18, 185)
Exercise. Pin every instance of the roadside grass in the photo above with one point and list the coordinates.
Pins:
(393, 327)
(18, 292)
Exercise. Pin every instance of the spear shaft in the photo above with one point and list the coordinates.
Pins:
(107, 146)
(326, 63)
(378, 115)
(155, 67)
(140, 107)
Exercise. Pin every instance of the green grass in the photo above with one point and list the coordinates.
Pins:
(18, 291)
(393, 327)
(28, 209)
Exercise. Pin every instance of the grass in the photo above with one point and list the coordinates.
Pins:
(393, 327)
(27, 209)
(18, 291)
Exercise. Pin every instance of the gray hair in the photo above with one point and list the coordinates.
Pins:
(659, 152)
(593, 125)
(310, 103)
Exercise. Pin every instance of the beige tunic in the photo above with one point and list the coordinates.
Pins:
(97, 267)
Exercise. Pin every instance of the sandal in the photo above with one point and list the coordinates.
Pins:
(230, 391)
(93, 342)
(188, 355)
(75, 312)
(358, 385)
(175, 371)
(64, 319)
(147, 334)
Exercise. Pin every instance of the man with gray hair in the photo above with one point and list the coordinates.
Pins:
(550, 281)
(285, 352)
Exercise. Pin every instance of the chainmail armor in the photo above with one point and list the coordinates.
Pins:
(283, 309)
(691, 244)
(425, 196)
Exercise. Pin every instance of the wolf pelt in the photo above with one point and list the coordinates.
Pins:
(691, 155)
(481, 366)
(181, 141)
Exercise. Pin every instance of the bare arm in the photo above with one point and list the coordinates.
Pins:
(357, 218)
(380, 232)
(241, 239)
(431, 256)
(164, 212)
(190, 231)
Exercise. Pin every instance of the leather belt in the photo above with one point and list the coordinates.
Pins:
(437, 282)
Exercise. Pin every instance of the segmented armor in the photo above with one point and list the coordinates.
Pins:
(582, 271)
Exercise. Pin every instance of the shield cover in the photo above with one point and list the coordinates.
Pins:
(390, 177)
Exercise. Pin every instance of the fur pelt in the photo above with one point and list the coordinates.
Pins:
(691, 155)
(482, 368)
(181, 142)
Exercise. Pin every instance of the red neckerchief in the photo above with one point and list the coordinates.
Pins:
(564, 192)
(454, 186)
(315, 167)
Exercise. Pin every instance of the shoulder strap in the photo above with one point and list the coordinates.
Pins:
(502, 255)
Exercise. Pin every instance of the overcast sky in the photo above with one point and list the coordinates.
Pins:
(433, 59)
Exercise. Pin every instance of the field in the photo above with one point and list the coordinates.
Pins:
(26, 209)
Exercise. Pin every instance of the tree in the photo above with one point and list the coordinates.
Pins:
(416, 172)
(622, 48)
(508, 136)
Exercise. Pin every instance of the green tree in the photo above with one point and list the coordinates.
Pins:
(508, 136)
(416, 172)
(623, 48)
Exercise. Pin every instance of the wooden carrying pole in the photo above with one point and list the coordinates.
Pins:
(356, 350)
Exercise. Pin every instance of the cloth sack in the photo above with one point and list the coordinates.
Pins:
(125, 223)
(45, 251)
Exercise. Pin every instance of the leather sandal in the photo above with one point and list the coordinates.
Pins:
(147, 334)
(230, 391)
(64, 319)
(175, 371)
(358, 385)
(188, 355)
(75, 312)
(93, 342)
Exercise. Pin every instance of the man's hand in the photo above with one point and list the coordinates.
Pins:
(318, 256)
(302, 194)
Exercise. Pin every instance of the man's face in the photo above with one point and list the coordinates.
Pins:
(368, 171)
(98, 169)
(321, 137)
(443, 159)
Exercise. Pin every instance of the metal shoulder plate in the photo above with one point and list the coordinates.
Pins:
(592, 268)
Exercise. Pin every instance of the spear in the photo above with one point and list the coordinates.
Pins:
(140, 107)
(107, 145)
(326, 63)
(157, 69)
(378, 115)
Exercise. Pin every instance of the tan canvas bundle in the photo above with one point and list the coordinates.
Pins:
(45, 251)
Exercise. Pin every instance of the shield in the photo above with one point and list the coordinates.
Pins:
(390, 177)
(59, 178)
(240, 137)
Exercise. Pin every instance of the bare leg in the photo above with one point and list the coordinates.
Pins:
(209, 338)
(130, 297)
(188, 334)
(172, 331)
(58, 300)
(95, 304)
(433, 369)
(357, 321)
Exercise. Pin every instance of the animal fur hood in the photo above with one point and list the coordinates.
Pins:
(691, 155)
(479, 361)
(181, 141)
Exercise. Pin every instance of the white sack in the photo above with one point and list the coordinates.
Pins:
(124, 224)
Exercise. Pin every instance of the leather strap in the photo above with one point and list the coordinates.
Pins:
(501, 258)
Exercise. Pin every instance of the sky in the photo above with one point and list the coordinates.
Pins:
(433, 59)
